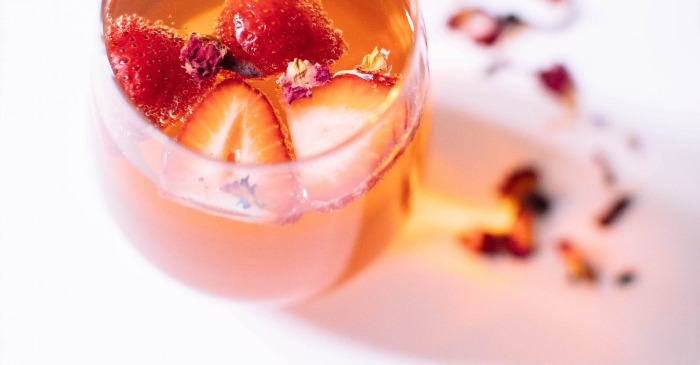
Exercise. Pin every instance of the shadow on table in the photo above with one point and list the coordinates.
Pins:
(429, 298)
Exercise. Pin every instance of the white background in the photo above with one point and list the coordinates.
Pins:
(73, 291)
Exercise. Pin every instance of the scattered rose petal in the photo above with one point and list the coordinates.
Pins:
(578, 266)
(519, 183)
(521, 186)
(481, 27)
(626, 278)
(497, 244)
(634, 142)
(491, 244)
(615, 211)
(557, 80)
(606, 170)
(537, 203)
(521, 241)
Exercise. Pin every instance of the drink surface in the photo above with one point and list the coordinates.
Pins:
(364, 25)
(230, 257)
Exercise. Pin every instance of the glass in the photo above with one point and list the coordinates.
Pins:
(170, 203)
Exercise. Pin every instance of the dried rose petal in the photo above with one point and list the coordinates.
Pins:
(517, 242)
(519, 187)
(626, 278)
(486, 243)
(491, 243)
(519, 183)
(537, 203)
(481, 27)
(634, 142)
(557, 80)
(521, 241)
(615, 211)
(578, 266)
(606, 170)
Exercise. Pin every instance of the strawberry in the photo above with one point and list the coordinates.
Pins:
(235, 123)
(271, 33)
(145, 58)
(341, 122)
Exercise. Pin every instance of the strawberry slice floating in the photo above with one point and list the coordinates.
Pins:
(235, 123)
(145, 58)
(341, 121)
(271, 33)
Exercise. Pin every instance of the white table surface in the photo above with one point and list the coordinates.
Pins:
(73, 291)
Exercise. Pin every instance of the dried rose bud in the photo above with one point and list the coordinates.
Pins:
(577, 265)
(203, 56)
(300, 78)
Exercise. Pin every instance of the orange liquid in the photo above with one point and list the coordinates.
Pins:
(264, 262)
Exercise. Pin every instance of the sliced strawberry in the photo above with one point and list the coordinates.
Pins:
(343, 124)
(235, 123)
(145, 57)
(271, 33)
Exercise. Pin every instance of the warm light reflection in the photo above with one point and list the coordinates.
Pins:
(446, 213)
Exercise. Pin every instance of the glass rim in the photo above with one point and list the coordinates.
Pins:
(412, 57)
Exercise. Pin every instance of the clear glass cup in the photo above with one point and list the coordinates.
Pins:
(170, 203)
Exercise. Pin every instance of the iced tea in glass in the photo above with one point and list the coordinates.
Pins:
(254, 178)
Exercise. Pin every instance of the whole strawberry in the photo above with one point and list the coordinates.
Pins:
(145, 58)
(271, 33)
